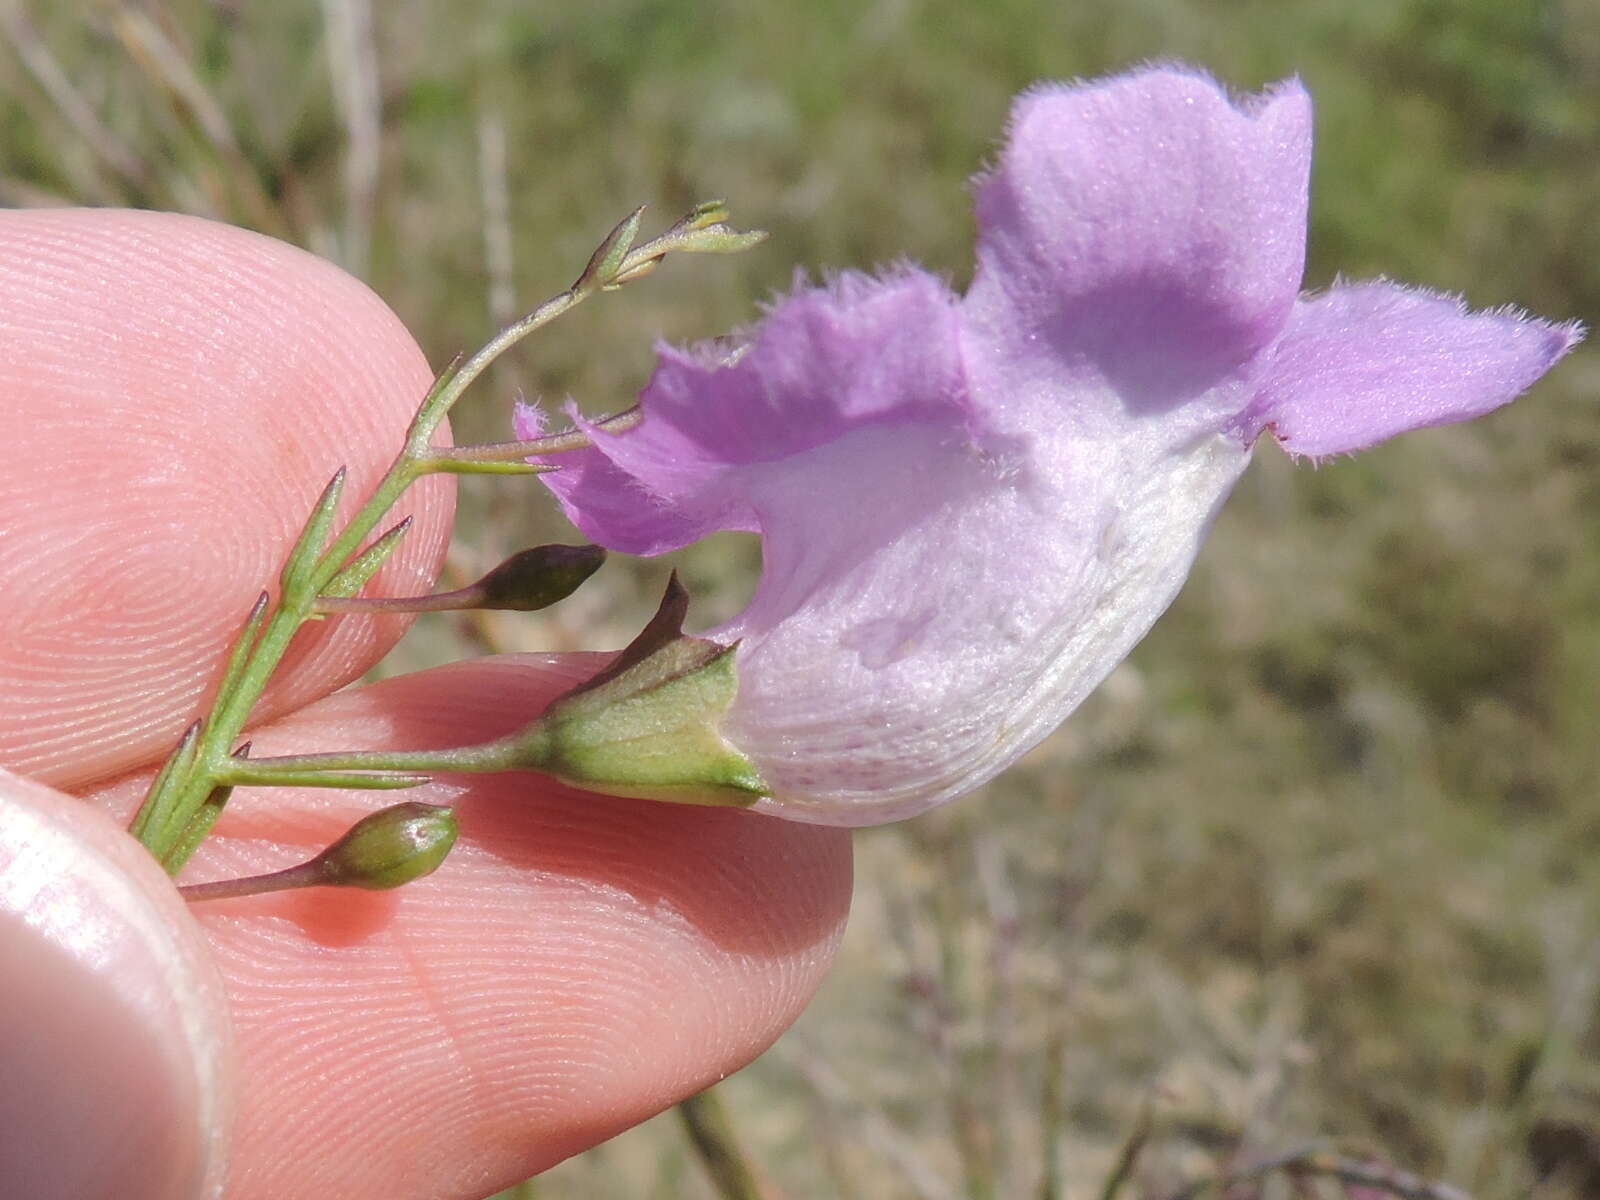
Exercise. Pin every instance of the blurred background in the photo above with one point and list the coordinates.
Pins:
(1316, 875)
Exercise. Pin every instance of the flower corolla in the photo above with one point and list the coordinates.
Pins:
(972, 507)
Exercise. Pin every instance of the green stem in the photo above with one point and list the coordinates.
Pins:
(455, 601)
(171, 823)
(402, 473)
(555, 443)
(307, 874)
(183, 794)
(289, 775)
(312, 770)
(192, 834)
(706, 1121)
(455, 381)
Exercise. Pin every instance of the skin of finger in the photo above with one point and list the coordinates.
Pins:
(176, 393)
(115, 1057)
(577, 964)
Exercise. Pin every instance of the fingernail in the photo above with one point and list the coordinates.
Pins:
(113, 1031)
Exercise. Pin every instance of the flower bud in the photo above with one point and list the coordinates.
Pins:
(537, 578)
(390, 847)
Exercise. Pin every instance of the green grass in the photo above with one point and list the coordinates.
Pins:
(1323, 860)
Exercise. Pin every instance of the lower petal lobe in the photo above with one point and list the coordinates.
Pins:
(1366, 361)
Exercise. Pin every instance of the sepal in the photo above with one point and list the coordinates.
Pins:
(649, 725)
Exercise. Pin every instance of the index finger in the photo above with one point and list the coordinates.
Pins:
(176, 394)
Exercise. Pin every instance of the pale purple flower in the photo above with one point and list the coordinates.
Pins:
(972, 507)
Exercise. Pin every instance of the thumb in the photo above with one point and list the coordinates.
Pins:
(113, 1046)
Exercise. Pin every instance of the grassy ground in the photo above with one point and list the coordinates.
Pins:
(1319, 864)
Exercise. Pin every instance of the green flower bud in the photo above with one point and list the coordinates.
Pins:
(390, 847)
(649, 724)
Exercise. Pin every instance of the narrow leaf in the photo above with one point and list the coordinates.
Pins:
(167, 784)
(308, 548)
(608, 256)
(468, 466)
(243, 644)
(356, 574)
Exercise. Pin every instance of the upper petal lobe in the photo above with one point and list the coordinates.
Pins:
(1147, 228)
(825, 361)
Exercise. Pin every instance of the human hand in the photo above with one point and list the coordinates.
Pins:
(176, 393)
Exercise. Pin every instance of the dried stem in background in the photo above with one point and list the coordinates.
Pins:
(1315, 1163)
(112, 152)
(236, 185)
(497, 251)
(920, 1177)
(353, 67)
(1132, 1148)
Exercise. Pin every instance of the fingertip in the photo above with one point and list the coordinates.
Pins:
(579, 965)
(177, 393)
(115, 1054)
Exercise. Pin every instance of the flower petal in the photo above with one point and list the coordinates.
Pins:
(887, 350)
(927, 614)
(934, 597)
(1147, 226)
(1369, 360)
(611, 507)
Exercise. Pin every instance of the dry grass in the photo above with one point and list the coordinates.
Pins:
(1318, 866)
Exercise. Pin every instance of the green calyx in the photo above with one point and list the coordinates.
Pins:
(649, 725)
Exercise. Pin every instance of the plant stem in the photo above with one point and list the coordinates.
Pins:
(305, 874)
(435, 602)
(1132, 1147)
(710, 1130)
(305, 770)
(553, 443)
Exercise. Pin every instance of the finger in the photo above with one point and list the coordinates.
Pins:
(577, 964)
(113, 1055)
(176, 393)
